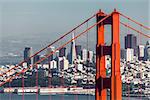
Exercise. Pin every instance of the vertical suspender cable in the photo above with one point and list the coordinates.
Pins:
(140, 88)
(128, 84)
(49, 78)
(10, 88)
(23, 86)
(36, 82)
(88, 59)
(76, 70)
(62, 81)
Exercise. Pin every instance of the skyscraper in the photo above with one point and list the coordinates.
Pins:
(73, 51)
(84, 55)
(90, 56)
(78, 50)
(56, 54)
(123, 53)
(129, 54)
(62, 52)
(131, 42)
(36, 58)
(63, 64)
(50, 50)
(141, 52)
(27, 54)
(147, 51)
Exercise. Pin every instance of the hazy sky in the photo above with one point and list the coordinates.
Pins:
(44, 19)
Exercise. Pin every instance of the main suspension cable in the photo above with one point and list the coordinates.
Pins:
(135, 30)
(134, 21)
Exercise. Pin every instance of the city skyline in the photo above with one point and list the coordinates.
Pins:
(75, 48)
(18, 33)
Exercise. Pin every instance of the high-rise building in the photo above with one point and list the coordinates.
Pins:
(50, 50)
(73, 56)
(53, 64)
(62, 52)
(78, 50)
(129, 54)
(59, 63)
(147, 51)
(131, 42)
(64, 64)
(123, 53)
(36, 58)
(84, 55)
(90, 56)
(56, 54)
(27, 54)
(94, 58)
(141, 52)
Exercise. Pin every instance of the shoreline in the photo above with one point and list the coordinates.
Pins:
(59, 91)
(51, 90)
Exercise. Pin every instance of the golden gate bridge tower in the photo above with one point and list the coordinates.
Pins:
(114, 81)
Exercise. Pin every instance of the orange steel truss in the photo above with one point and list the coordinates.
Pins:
(113, 82)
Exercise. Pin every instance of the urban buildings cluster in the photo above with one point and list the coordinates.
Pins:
(77, 66)
(135, 66)
(62, 60)
(133, 51)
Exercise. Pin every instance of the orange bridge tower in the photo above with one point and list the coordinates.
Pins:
(113, 82)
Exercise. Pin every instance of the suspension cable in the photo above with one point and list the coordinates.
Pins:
(134, 21)
(135, 30)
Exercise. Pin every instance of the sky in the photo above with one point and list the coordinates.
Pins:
(36, 22)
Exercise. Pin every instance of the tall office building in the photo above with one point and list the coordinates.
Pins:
(36, 58)
(90, 56)
(64, 64)
(62, 52)
(53, 64)
(141, 52)
(123, 53)
(131, 42)
(50, 50)
(27, 54)
(147, 51)
(78, 50)
(72, 52)
(129, 54)
(57, 54)
(84, 55)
